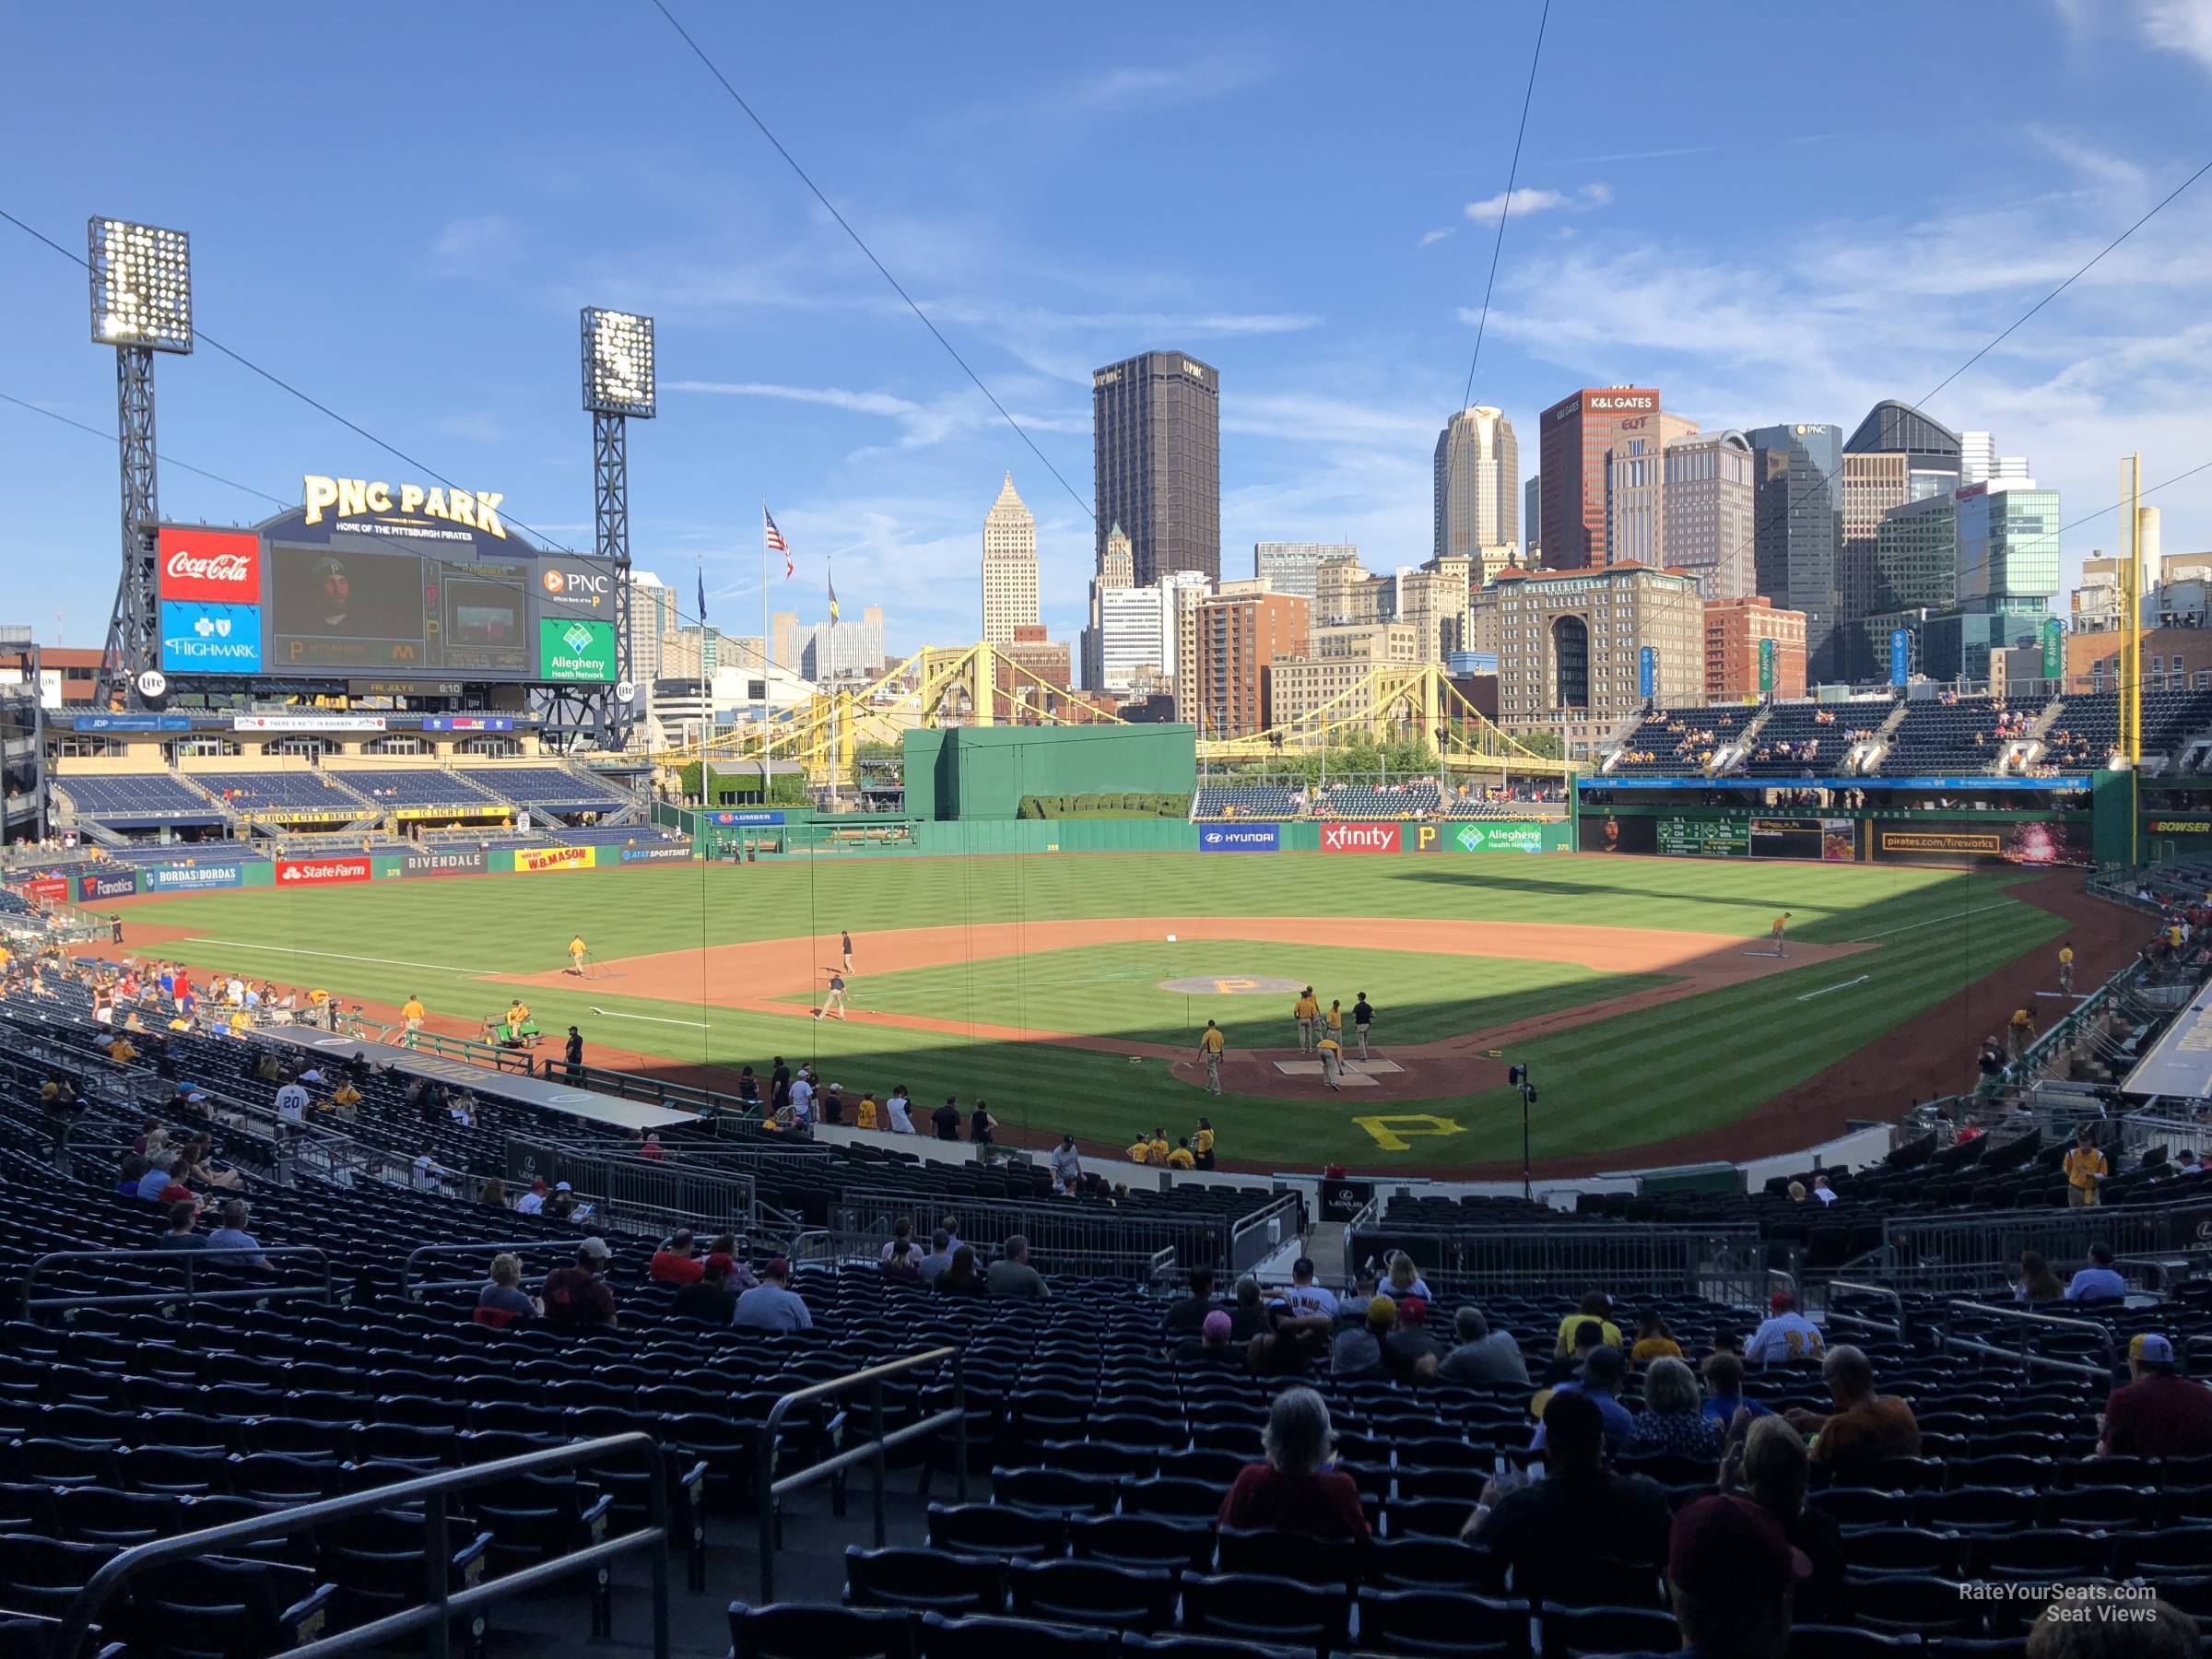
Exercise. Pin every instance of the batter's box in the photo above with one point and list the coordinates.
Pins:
(1311, 1068)
(1373, 1069)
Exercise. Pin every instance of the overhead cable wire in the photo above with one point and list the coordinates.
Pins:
(24, 403)
(884, 271)
(1505, 210)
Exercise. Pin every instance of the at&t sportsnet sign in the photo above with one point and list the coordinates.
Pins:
(321, 872)
(1359, 838)
(1242, 837)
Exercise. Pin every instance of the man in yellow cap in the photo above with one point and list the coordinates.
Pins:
(576, 954)
(1210, 1045)
(2065, 968)
(1332, 1061)
(1307, 1012)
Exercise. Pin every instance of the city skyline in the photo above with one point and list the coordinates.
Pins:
(789, 371)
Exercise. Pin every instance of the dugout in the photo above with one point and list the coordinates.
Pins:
(984, 772)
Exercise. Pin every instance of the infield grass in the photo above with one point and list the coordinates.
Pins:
(1614, 1085)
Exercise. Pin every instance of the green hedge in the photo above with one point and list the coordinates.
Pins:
(1103, 806)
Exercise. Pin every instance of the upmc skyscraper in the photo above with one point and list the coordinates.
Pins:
(1155, 434)
(1576, 433)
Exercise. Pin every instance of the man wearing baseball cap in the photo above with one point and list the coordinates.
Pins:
(1731, 1572)
(772, 1305)
(577, 1298)
(2159, 1413)
(1787, 1337)
(1579, 1509)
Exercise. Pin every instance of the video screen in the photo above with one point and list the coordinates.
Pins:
(484, 623)
(346, 611)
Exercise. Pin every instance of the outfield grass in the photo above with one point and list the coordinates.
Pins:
(1617, 1083)
(1114, 990)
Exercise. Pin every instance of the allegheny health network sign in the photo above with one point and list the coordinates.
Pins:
(573, 651)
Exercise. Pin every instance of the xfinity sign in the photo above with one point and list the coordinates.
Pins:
(1359, 838)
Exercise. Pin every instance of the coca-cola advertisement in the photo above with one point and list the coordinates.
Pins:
(215, 567)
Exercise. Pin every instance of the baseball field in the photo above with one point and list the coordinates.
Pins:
(1070, 990)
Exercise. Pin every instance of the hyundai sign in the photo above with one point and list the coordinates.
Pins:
(1241, 838)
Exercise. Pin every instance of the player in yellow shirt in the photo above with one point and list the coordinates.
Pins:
(2086, 1171)
(413, 1012)
(1140, 1150)
(1332, 1061)
(1210, 1045)
(1180, 1157)
(866, 1109)
(2065, 968)
(2019, 1031)
(1306, 1010)
(1775, 933)
(576, 953)
(1158, 1145)
(1202, 1143)
(1334, 1020)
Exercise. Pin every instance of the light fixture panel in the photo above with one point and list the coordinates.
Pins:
(617, 363)
(141, 285)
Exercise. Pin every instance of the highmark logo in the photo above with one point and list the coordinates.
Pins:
(578, 638)
(208, 625)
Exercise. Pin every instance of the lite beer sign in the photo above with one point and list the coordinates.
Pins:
(364, 498)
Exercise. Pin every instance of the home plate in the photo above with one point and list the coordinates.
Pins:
(1311, 1068)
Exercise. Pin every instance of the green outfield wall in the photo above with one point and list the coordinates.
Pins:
(965, 773)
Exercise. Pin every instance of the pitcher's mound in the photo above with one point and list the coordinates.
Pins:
(1234, 985)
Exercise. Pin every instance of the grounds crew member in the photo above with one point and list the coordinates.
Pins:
(2086, 1171)
(413, 1012)
(1332, 1060)
(1775, 933)
(576, 955)
(1210, 1045)
(1202, 1143)
(1306, 1011)
(1334, 1020)
(2019, 1031)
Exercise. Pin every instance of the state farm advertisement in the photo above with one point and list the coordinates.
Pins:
(212, 566)
(320, 872)
(1359, 838)
(530, 859)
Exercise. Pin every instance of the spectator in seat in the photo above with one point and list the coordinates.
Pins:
(1772, 1467)
(1732, 1574)
(1484, 1358)
(2037, 1283)
(2100, 1281)
(577, 1298)
(532, 1203)
(772, 1305)
(1580, 1509)
(901, 1229)
(1216, 1346)
(1672, 1418)
(132, 1173)
(674, 1264)
(502, 1301)
(1724, 1391)
(2158, 1413)
(901, 1267)
(1597, 1306)
(1653, 1341)
(1787, 1337)
(232, 1235)
(931, 1266)
(1011, 1276)
(1358, 1349)
(180, 1235)
(1409, 1353)
(154, 1181)
(1602, 1376)
(1248, 1317)
(1405, 1279)
(494, 1196)
(1304, 1296)
(962, 1276)
(1589, 1336)
(1187, 1316)
(1864, 1429)
(710, 1297)
(1297, 1490)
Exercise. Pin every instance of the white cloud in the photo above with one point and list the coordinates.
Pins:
(478, 247)
(2182, 26)
(1527, 200)
(2101, 166)
(1430, 237)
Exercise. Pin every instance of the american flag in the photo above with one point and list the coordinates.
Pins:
(776, 542)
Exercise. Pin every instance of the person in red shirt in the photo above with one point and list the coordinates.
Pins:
(674, 1264)
(2160, 1413)
(576, 1298)
(1296, 1491)
(651, 1148)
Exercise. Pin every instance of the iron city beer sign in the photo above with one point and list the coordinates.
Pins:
(365, 497)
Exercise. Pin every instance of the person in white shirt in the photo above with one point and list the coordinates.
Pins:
(1822, 1191)
(1305, 1297)
(237, 992)
(1068, 1165)
(802, 1096)
(1786, 1337)
(427, 1174)
(532, 1203)
(896, 1109)
(313, 1077)
(291, 1104)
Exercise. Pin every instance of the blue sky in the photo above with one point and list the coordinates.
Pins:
(1780, 215)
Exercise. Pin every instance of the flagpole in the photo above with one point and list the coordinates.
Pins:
(828, 566)
(764, 667)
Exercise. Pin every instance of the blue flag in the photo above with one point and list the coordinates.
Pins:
(702, 590)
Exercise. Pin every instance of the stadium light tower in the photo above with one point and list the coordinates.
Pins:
(617, 384)
(141, 304)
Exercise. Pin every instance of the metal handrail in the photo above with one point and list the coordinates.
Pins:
(870, 1451)
(435, 1616)
(1291, 1204)
(1858, 1289)
(2028, 1359)
(326, 1291)
(409, 1289)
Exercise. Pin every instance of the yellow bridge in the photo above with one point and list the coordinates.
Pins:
(980, 686)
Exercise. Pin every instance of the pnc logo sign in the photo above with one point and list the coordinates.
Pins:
(1359, 838)
(566, 584)
(221, 567)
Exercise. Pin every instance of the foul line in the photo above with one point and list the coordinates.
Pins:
(1846, 986)
(651, 1019)
(335, 956)
(1932, 921)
